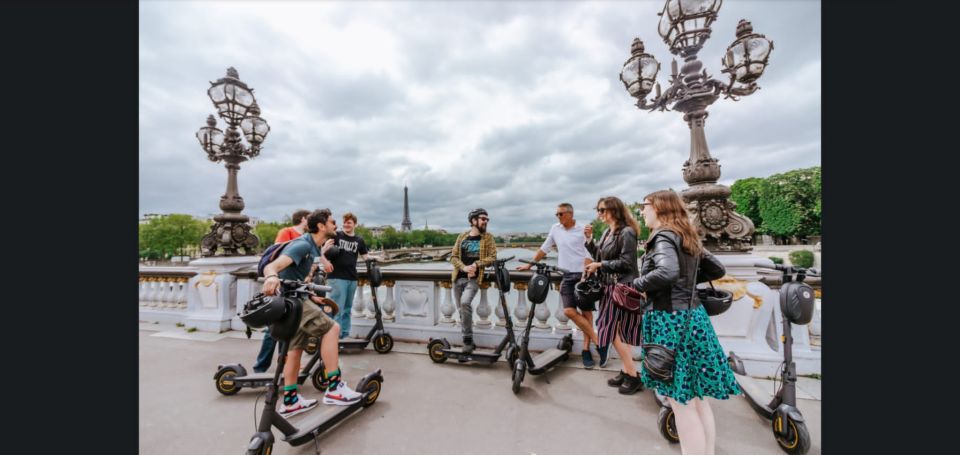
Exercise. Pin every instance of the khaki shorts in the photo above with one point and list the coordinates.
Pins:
(314, 323)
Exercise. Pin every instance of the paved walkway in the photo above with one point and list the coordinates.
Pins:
(425, 408)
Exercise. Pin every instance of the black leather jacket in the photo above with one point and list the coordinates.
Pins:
(618, 255)
(665, 272)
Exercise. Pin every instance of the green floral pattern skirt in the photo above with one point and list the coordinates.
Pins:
(702, 368)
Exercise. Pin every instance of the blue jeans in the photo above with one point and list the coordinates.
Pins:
(265, 357)
(342, 293)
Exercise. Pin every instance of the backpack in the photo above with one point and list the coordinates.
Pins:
(269, 255)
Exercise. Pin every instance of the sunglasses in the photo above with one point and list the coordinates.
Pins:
(601, 209)
(559, 214)
(483, 218)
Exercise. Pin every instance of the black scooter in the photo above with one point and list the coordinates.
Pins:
(382, 341)
(231, 378)
(307, 426)
(537, 291)
(440, 349)
(797, 303)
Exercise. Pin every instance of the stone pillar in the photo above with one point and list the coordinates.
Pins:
(521, 312)
(562, 319)
(542, 314)
(359, 301)
(369, 311)
(212, 293)
(483, 308)
(389, 306)
(447, 308)
(498, 310)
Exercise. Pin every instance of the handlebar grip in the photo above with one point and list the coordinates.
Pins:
(813, 272)
(507, 259)
(528, 262)
(319, 288)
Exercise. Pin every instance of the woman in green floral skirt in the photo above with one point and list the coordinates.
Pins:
(673, 262)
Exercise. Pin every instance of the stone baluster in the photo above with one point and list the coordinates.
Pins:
(370, 312)
(542, 314)
(359, 302)
(144, 283)
(521, 312)
(483, 308)
(181, 302)
(498, 310)
(389, 306)
(447, 308)
(166, 292)
(153, 291)
(562, 319)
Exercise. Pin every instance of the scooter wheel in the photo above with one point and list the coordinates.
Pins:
(319, 380)
(373, 387)
(225, 383)
(435, 348)
(519, 370)
(667, 423)
(797, 440)
(383, 343)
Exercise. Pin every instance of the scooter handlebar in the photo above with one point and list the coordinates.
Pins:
(546, 266)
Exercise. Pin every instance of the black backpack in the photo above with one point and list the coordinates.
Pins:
(270, 255)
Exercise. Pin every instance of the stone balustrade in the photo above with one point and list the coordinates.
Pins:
(163, 293)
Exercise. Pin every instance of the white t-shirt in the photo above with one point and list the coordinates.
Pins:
(569, 243)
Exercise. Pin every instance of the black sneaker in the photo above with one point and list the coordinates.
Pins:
(587, 359)
(617, 380)
(602, 352)
(631, 384)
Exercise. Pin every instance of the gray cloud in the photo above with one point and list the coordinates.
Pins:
(509, 106)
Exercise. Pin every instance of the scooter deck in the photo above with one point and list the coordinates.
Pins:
(353, 343)
(320, 419)
(756, 396)
(479, 355)
(541, 360)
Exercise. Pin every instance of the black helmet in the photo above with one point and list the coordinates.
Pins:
(263, 310)
(715, 301)
(797, 302)
(476, 213)
(537, 288)
(286, 327)
(374, 274)
(332, 252)
(588, 291)
(502, 277)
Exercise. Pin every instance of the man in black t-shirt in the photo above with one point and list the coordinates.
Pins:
(473, 250)
(343, 279)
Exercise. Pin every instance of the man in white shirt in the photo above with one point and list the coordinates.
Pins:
(567, 237)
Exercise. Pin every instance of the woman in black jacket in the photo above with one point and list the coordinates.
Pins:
(615, 259)
(669, 269)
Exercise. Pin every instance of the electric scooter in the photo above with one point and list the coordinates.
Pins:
(440, 349)
(302, 428)
(537, 290)
(231, 378)
(797, 303)
(382, 341)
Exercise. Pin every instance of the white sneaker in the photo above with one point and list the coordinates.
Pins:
(302, 405)
(342, 395)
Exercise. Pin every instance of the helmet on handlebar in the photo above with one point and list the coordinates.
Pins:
(537, 288)
(588, 291)
(503, 277)
(374, 274)
(263, 310)
(797, 302)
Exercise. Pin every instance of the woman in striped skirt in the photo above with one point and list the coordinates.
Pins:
(615, 260)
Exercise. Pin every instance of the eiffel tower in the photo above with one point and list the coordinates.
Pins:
(406, 225)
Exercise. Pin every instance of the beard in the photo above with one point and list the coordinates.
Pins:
(482, 228)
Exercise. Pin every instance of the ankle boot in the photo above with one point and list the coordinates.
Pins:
(631, 384)
(617, 380)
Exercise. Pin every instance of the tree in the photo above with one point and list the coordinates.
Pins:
(267, 232)
(644, 233)
(598, 227)
(168, 235)
(746, 194)
(789, 203)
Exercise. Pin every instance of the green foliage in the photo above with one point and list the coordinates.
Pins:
(776, 260)
(644, 230)
(267, 233)
(789, 203)
(598, 227)
(170, 235)
(801, 258)
(746, 194)
(391, 238)
(368, 238)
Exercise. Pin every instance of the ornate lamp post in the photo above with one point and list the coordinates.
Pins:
(685, 26)
(238, 108)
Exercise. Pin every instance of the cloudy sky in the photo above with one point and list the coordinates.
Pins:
(513, 107)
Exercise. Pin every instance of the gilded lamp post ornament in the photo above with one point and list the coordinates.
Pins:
(237, 106)
(684, 27)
